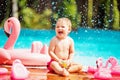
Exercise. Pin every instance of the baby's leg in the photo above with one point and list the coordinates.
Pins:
(58, 69)
(75, 68)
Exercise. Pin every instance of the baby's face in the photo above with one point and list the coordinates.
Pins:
(62, 30)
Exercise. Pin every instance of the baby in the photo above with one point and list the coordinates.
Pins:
(61, 49)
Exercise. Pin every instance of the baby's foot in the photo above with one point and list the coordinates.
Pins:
(65, 72)
(79, 68)
(73, 69)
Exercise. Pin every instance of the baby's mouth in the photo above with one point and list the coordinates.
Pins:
(60, 32)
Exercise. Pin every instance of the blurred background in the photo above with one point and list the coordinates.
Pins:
(42, 14)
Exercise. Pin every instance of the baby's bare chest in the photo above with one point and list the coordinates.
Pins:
(63, 45)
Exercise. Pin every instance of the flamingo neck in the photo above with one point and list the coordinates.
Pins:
(13, 36)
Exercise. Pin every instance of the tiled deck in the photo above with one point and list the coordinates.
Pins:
(41, 73)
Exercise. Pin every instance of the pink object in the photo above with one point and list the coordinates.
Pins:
(4, 56)
(19, 71)
(100, 72)
(94, 69)
(91, 69)
(115, 68)
(36, 47)
(8, 54)
(44, 49)
(3, 71)
(103, 73)
(11, 27)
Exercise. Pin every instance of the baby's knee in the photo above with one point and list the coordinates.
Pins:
(80, 68)
(65, 72)
(53, 64)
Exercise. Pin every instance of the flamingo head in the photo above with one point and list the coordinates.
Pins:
(7, 29)
(113, 61)
(12, 30)
(9, 24)
(99, 62)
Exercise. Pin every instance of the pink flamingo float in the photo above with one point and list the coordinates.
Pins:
(115, 67)
(17, 71)
(98, 64)
(37, 55)
(100, 72)
(105, 72)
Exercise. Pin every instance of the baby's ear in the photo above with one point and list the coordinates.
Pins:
(69, 30)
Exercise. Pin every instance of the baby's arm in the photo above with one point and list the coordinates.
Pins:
(66, 63)
(71, 51)
(51, 50)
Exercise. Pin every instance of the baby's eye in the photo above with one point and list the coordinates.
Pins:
(57, 26)
(63, 26)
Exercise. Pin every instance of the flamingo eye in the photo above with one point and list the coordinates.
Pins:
(8, 20)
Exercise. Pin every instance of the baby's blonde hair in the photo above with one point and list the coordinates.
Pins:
(68, 21)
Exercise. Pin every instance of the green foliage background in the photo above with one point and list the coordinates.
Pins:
(30, 17)
(34, 20)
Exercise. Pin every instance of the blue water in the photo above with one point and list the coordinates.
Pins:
(89, 43)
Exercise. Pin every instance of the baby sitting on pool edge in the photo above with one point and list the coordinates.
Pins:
(61, 49)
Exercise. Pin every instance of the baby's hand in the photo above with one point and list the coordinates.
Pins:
(60, 61)
(64, 64)
(68, 62)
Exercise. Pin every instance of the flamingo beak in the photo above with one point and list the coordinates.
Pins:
(7, 28)
(7, 34)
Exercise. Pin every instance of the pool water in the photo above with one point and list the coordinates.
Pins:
(89, 43)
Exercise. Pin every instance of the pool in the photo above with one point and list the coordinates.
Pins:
(89, 43)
